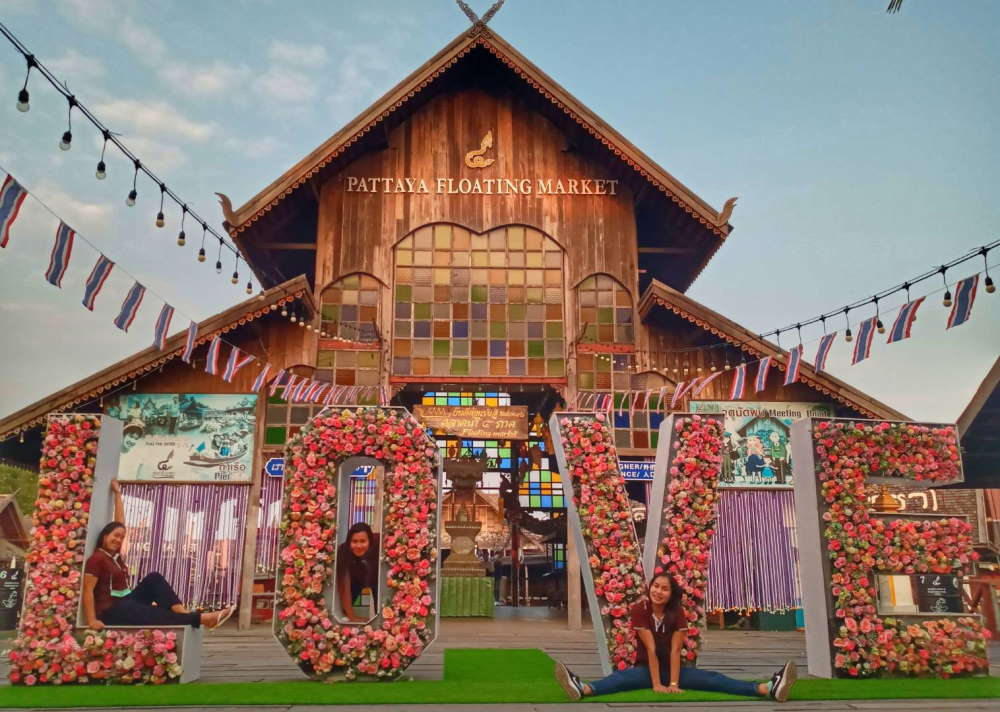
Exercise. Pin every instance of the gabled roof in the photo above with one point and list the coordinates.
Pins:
(659, 295)
(151, 358)
(979, 428)
(326, 156)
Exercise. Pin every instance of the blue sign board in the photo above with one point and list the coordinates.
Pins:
(636, 469)
(275, 467)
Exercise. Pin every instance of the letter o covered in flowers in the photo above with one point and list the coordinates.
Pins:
(407, 623)
(844, 547)
(48, 650)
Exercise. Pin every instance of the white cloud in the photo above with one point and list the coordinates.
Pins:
(283, 85)
(144, 43)
(303, 55)
(75, 67)
(253, 148)
(352, 83)
(156, 118)
(204, 80)
(92, 14)
(87, 218)
(161, 158)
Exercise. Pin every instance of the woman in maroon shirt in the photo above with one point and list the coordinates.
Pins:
(107, 599)
(659, 622)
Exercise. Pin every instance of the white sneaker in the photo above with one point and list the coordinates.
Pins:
(569, 682)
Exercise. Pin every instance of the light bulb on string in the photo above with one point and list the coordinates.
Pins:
(848, 336)
(201, 252)
(261, 295)
(218, 259)
(181, 237)
(878, 320)
(160, 222)
(102, 170)
(133, 194)
(236, 271)
(22, 96)
(67, 138)
(988, 283)
(947, 292)
(249, 287)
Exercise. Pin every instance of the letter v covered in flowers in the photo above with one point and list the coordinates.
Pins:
(855, 626)
(407, 622)
(679, 529)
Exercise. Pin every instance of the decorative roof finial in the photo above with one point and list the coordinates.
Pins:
(479, 23)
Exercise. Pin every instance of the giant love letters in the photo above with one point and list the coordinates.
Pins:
(407, 621)
(79, 459)
(844, 548)
(678, 532)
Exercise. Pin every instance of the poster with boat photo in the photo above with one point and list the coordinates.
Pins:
(186, 437)
(757, 449)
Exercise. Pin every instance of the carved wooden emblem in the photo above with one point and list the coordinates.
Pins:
(474, 159)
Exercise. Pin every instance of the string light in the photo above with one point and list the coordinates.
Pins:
(250, 289)
(133, 194)
(67, 138)
(284, 310)
(236, 271)
(102, 170)
(990, 287)
(878, 321)
(848, 336)
(201, 252)
(160, 222)
(22, 96)
(947, 292)
(218, 260)
(181, 237)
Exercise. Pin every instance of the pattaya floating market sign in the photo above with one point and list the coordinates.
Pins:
(509, 422)
(483, 186)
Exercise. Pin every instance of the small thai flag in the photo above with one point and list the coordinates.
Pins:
(162, 327)
(332, 395)
(863, 344)
(678, 392)
(762, 370)
(965, 295)
(794, 364)
(310, 391)
(739, 382)
(318, 396)
(301, 389)
(237, 360)
(98, 276)
(61, 252)
(212, 357)
(277, 381)
(11, 197)
(825, 344)
(904, 321)
(258, 382)
(286, 393)
(192, 337)
(704, 384)
(130, 307)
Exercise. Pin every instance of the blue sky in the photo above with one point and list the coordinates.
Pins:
(862, 147)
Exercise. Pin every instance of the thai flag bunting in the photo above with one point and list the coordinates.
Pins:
(212, 357)
(258, 382)
(299, 390)
(192, 337)
(331, 396)
(794, 365)
(825, 344)
(692, 384)
(663, 398)
(237, 360)
(763, 368)
(11, 197)
(904, 321)
(130, 307)
(318, 395)
(286, 393)
(98, 276)
(678, 392)
(739, 382)
(704, 384)
(863, 344)
(61, 251)
(162, 327)
(276, 383)
(311, 391)
(965, 295)
(383, 395)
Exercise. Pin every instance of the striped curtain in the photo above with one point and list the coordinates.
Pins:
(754, 559)
(192, 534)
(268, 522)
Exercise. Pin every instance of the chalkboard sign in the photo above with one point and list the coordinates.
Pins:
(937, 593)
(10, 597)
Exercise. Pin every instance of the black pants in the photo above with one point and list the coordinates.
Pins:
(137, 608)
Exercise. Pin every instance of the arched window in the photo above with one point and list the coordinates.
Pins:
(604, 316)
(470, 305)
(349, 313)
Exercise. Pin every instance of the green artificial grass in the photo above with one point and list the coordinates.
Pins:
(472, 676)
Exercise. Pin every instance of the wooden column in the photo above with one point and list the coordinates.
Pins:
(574, 604)
(253, 512)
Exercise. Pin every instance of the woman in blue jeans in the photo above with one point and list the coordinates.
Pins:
(659, 622)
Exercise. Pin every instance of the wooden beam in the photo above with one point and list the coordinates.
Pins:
(666, 250)
(250, 525)
(286, 246)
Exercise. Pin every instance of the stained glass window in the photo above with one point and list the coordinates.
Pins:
(640, 427)
(466, 398)
(283, 419)
(541, 487)
(350, 308)
(604, 311)
(478, 305)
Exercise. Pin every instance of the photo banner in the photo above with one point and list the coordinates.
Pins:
(187, 437)
(757, 438)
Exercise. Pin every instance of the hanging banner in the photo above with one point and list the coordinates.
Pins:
(169, 437)
(757, 451)
(509, 422)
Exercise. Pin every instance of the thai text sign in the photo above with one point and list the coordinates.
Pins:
(185, 437)
(508, 422)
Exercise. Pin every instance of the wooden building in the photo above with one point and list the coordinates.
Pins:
(476, 234)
